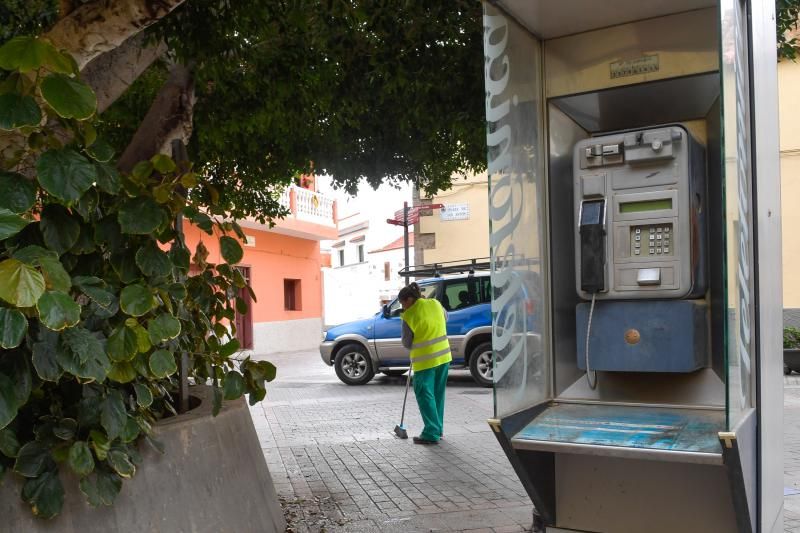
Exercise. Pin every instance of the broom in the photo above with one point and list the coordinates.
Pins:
(400, 430)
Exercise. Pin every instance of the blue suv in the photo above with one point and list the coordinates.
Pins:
(359, 349)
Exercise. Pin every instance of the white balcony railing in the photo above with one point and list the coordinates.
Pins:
(308, 205)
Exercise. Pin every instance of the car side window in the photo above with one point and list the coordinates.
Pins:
(459, 294)
(484, 290)
(428, 291)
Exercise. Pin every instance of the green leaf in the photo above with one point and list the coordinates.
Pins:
(65, 174)
(121, 464)
(180, 257)
(131, 431)
(13, 326)
(33, 254)
(55, 276)
(108, 179)
(11, 223)
(32, 459)
(87, 206)
(231, 250)
(143, 395)
(84, 245)
(17, 111)
(100, 444)
(107, 232)
(229, 348)
(162, 363)
(163, 163)
(31, 53)
(102, 152)
(45, 360)
(89, 367)
(95, 288)
(17, 193)
(140, 216)
(113, 414)
(80, 458)
(122, 372)
(233, 385)
(152, 261)
(136, 300)
(103, 489)
(122, 344)
(142, 338)
(142, 170)
(8, 401)
(66, 428)
(19, 372)
(177, 291)
(59, 229)
(163, 328)
(9, 445)
(20, 284)
(124, 264)
(69, 97)
(44, 494)
(83, 343)
(57, 310)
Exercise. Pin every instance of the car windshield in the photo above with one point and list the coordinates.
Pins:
(428, 291)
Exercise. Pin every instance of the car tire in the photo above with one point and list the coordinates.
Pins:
(353, 364)
(480, 364)
(786, 370)
(394, 373)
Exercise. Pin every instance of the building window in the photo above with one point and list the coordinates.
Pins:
(360, 253)
(387, 271)
(341, 258)
(291, 294)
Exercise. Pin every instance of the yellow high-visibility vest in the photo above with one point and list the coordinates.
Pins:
(431, 347)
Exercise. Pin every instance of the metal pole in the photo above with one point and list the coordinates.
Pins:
(179, 155)
(405, 238)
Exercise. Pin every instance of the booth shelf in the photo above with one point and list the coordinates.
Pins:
(661, 433)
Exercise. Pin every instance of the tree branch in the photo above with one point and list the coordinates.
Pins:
(102, 25)
(110, 74)
(170, 117)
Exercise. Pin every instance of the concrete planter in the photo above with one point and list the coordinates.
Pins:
(212, 478)
(791, 360)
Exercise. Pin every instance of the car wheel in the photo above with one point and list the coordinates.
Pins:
(394, 373)
(353, 365)
(786, 370)
(480, 364)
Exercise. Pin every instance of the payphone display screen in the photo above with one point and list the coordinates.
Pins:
(647, 205)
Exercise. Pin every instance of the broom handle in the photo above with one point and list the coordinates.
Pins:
(405, 397)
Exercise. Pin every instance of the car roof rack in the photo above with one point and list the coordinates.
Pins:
(437, 270)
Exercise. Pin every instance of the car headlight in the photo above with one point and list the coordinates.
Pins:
(324, 334)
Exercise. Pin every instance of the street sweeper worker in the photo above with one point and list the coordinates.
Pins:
(425, 334)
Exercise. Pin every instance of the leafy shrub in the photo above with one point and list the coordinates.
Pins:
(791, 337)
(95, 302)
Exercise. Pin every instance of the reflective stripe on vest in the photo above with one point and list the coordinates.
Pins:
(431, 347)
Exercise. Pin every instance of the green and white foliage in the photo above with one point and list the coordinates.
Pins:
(96, 304)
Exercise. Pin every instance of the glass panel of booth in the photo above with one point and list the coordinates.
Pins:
(641, 315)
(516, 172)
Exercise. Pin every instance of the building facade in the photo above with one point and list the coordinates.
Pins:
(788, 81)
(283, 265)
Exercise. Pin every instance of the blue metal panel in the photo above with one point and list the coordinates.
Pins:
(462, 321)
(659, 428)
(672, 336)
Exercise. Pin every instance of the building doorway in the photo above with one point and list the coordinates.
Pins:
(244, 322)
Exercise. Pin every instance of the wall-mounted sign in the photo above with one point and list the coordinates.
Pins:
(250, 240)
(454, 212)
(632, 67)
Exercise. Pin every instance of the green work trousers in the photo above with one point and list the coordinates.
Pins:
(429, 388)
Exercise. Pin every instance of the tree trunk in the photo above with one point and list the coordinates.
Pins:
(110, 74)
(169, 117)
(102, 25)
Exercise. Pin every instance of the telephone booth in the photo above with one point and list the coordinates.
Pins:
(634, 208)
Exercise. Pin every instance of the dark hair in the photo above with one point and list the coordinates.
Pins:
(410, 291)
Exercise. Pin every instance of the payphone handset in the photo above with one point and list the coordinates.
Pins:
(639, 215)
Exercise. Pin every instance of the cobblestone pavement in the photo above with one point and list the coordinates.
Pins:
(337, 466)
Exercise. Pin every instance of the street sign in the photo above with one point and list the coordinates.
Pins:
(454, 212)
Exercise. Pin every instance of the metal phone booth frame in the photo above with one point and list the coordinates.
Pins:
(695, 450)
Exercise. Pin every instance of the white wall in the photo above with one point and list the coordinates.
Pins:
(287, 336)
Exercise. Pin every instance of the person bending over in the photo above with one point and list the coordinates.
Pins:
(425, 334)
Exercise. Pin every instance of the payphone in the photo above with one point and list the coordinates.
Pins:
(640, 248)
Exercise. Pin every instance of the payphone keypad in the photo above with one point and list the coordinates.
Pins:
(652, 240)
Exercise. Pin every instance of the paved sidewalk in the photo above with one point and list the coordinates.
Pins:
(337, 466)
